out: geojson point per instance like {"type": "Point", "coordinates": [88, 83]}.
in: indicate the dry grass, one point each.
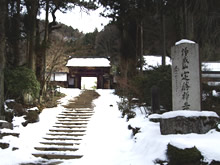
{"type": "Point", "coordinates": [84, 100]}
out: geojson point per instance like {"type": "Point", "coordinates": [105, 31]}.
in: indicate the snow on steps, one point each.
{"type": "Point", "coordinates": [63, 140]}
{"type": "Point", "coordinates": [57, 156]}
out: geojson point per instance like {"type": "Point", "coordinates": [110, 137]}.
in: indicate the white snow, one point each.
{"type": "Point", "coordinates": [154, 61]}
{"type": "Point", "coordinates": [184, 113]}
{"type": "Point", "coordinates": [33, 109]}
{"type": "Point", "coordinates": [108, 140]}
{"type": "Point", "coordinates": [183, 41]}
{"type": "Point", "coordinates": [210, 66]}
{"type": "Point", "coordinates": [3, 121]}
{"type": "Point", "coordinates": [88, 62]}
{"type": "Point", "coordinates": [58, 76]}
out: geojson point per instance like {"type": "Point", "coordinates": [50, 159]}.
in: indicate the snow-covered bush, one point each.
{"type": "Point", "coordinates": [21, 80]}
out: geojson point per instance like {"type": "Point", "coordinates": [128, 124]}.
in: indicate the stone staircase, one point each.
{"type": "Point", "coordinates": [63, 140]}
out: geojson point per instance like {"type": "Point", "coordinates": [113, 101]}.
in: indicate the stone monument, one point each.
{"type": "Point", "coordinates": [186, 94]}
{"type": "Point", "coordinates": [186, 75]}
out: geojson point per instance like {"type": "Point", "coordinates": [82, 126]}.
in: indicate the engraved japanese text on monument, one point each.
{"type": "Point", "coordinates": [186, 77]}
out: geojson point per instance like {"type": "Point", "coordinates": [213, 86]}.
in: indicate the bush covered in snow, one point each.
{"type": "Point", "coordinates": [19, 81]}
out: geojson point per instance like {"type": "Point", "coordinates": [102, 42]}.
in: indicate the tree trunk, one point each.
{"type": "Point", "coordinates": [17, 34]}
{"type": "Point", "coordinates": [44, 54]}
{"type": "Point", "coordinates": [2, 52]}
{"type": "Point", "coordinates": [139, 43]}
{"type": "Point", "coordinates": [164, 40]}
{"type": "Point", "coordinates": [32, 8]}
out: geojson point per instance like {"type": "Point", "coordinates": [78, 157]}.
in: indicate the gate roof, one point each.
{"type": "Point", "coordinates": [88, 62]}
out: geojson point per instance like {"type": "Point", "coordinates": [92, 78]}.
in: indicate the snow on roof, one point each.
{"type": "Point", "coordinates": [183, 41]}
{"type": "Point", "coordinates": [184, 113]}
{"type": "Point", "coordinates": [211, 66]}
{"type": "Point", "coordinates": [154, 61]}
{"type": "Point", "coordinates": [89, 62]}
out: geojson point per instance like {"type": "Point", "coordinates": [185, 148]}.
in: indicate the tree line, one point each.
{"type": "Point", "coordinates": [152, 27]}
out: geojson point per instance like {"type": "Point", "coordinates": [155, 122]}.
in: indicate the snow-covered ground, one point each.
{"type": "Point", "coordinates": [108, 140]}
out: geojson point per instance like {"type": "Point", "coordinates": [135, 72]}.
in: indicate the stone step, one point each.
{"type": "Point", "coordinates": [55, 149]}
{"type": "Point", "coordinates": [80, 109]}
{"type": "Point", "coordinates": [61, 138]}
{"type": "Point", "coordinates": [72, 120]}
{"type": "Point", "coordinates": [71, 123]}
{"type": "Point", "coordinates": [70, 117]}
{"type": "Point", "coordinates": [63, 134]}
{"type": "Point", "coordinates": [59, 143]}
{"type": "Point", "coordinates": [66, 130]}
{"type": "Point", "coordinates": [70, 126]}
{"type": "Point", "coordinates": [2, 134]}
{"type": "Point", "coordinates": [57, 156]}
{"type": "Point", "coordinates": [71, 112]}
{"type": "Point", "coordinates": [76, 114]}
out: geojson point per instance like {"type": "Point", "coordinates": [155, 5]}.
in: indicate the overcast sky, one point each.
{"type": "Point", "coordinates": [81, 20]}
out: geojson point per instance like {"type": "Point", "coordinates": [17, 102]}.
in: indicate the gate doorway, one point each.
{"type": "Point", "coordinates": [88, 69]}
{"type": "Point", "coordinates": [89, 83]}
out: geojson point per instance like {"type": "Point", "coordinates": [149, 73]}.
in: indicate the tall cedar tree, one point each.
{"type": "Point", "coordinates": [2, 52]}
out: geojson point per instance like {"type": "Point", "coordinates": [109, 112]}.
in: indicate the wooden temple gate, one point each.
{"type": "Point", "coordinates": [104, 79]}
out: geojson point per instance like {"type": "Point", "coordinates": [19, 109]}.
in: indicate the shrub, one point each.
{"type": "Point", "coordinates": [125, 107]}
{"type": "Point", "coordinates": [188, 156]}
{"type": "Point", "coordinates": [21, 80]}
{"type": "Point", "coordinates": [161, 77]}
{"type": "Point", "coordinates": [31, 117]}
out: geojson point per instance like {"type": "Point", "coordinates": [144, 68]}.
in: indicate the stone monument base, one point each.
{"type": "Point", "coordinates": [186, 122]}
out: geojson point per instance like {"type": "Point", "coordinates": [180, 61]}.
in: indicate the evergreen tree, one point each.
{"type": "Point", "coordinates": [2, 52]}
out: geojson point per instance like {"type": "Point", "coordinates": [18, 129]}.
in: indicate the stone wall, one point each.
{"type": "Point", "coordinates": [186, 122]}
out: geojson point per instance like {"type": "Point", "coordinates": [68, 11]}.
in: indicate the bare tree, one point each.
{"type": "Point", "coordinates": [108, 42]}
{"type": "Point", "coordinates": [56, 58]}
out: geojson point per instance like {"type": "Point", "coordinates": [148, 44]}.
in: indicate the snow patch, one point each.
{"type": "Point", "coordinates": [184, 41]}
{"type": "Point", "coordinates": [154, 61]}
{"type": "Point", "coordinates": [184, 113]}
{"type": "Point", "coordinates": [210, 66]}
{"type": "Point", "coordinates": [33, 109]}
